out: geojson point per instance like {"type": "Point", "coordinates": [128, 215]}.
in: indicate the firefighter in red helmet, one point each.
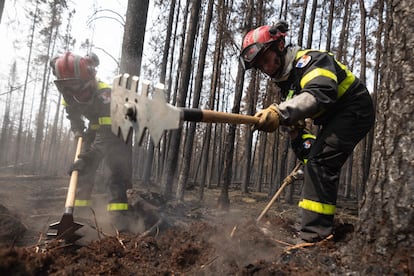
{"type": "Point", "coordinates": [86, 97]}
{"type": "Point", "coordinates": [314, 85]}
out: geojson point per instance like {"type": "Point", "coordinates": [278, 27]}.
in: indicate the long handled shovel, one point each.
{"type": "Point", "coordinates": [66, 227]}
{"type": "Point", "coordinates": [133, 110]}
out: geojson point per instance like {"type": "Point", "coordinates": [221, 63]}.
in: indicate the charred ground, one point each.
{"type": "Point", "coordinates": [186, 238]}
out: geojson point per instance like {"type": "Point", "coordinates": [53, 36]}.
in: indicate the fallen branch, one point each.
{"type": "Point", "coordinates": [149, 231]}
{"type": "Point", "coordinates": [233, 231]}
{"type": "Point", "coordinates": [308, 244]}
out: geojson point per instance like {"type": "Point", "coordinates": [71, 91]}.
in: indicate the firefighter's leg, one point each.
{"type": "Point", "coordinates": [83, 199]}
{"type": "Point", "coordinates": [334, 144]}
{"type": "Point", "coordinates": [119, 162]}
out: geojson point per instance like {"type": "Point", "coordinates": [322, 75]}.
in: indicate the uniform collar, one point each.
{"type": "Point", "coordinates": [289, 59]}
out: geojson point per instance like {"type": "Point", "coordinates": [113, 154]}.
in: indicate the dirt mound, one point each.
{"type": "Point", "coordinates": [192, 238]}
{"type": "Point", "coordinates": [11, 227]}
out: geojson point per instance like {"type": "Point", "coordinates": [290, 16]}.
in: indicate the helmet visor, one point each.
{"type": "Point", "coordinates": [249, 54]}
{"type": "Point", "coordinates": [71, 87]}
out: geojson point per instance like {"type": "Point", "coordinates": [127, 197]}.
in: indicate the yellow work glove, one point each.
{"type": "Point", "coordinates": [268, 119]}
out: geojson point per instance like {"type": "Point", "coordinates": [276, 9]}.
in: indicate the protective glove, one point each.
{"type": "Point", "coordinates": [78, 133]}
{"type": "Point", "coordinates": [268, 119]}
{"type": "Point", "coordinates": [80, 165]}
{"type": "Point", "coordinates": [89, 136]}
{"type": "Point", "coordinates": [302, 144]}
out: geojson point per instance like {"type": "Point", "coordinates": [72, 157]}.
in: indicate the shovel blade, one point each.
{"type": "Point", "coordinates": [135, 110]}
{"type": "Point", "coordinates": [65, 229]}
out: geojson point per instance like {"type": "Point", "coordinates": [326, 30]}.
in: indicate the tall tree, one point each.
{"type": "Point", "coordinates": [182, 182]}
{"type": "Point", "coordinates": [150, 151]}
{"type": "Point", "coordinates": [1, 8]}
{"type": "Point", "coordinates": [311, 24]}
{"type": "Point", "coordinates": [330, 23]}
{"type": "Point", "coordinates": [387, 212]}
{"type": "Point", "coordinates": [50, 33]}
{"type": "Point", "coordinates": [134, 34]}
{"type": "Point", "coordinates": [173, 152]}
{"type": "Point", "coordinates": [6, 130]}
{"type": "Point", "coordinates": [302, 22]}
{"type": "Point", "coordinates": [28, 66]}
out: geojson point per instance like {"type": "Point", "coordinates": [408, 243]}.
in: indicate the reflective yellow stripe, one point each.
{"type": "Point", "coordinates": [117, 207]}
{"type": "Point", "coordinates": [317, 72]}
{"type": "Point", "coordinates": [105, 121]}
{"type": "Point", "coordinates": [308, 135]}
{"type": "Point", "coordinates": [299, 54]}
{"type": "Point", "coordinates": [305, 161]}
{"type": "Point", "coordinates": [64, 103]}
{"type": "Point", "coordinates": [317, 207]}
{"type": "Point", "coordinates": [94, 126]}
{"type": "Point", "coordinates": [347, 82]}
{"type": "Point", "coordinates": [103, 85]}
{"type": "Point", "coordinates": [83, 202]}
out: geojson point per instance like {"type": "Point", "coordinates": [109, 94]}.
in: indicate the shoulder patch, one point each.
{"type": "Point", "coordinates": [303, 61]}
{"type": "Point", "coordinates": [105, 95]}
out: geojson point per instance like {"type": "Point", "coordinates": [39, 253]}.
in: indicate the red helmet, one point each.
{"type": "Point", "coordinates": [260, 39]}
{"type": "Point", "coordinates": [73, 73]}
{"type": "Point", "coordinates": [70, 66]}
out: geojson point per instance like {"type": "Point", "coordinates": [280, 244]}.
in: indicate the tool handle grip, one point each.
{"type": "Point", "coordinates": [211, 116]}
{"type": "Point", "coordinates": [70, 197]}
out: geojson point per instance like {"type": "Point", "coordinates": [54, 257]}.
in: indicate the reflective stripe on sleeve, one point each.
{"type": "Point", "coordinates": [308, 135]}
{"type": "Point", "coordinates": [347, 82]}
{"type": "Point", "coordinates": [317, 72]}
{"type": "Point", "coordinates": [117, 207]}
{"type": "Point", "coordinates": [105, 121]}
{"type": "Point", "coordinates": [83, 202]}
{"type": "Point", "coordinates": [317, 207]}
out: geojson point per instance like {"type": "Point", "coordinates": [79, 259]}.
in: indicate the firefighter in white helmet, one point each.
{"type": "Point", "coordinates": [316, 86]}
{"type": "Point", "coordinates": [86, 97]}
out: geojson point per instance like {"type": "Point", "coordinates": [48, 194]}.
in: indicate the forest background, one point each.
{"type": "Point", "coordinates": [193, 47]}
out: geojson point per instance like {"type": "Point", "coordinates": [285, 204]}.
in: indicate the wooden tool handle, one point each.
{"type": "Point", "coordinates": [211, 116]}
{"type": "Point", "coordinates": [70, 198]}
{"type": "Point", "coordinates": [288, 180]}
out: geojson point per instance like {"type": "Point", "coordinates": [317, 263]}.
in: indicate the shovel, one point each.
{"type": "Point", "coordinates": [66, 227]}
{"type": "Point", "coordinates": [133, 110]}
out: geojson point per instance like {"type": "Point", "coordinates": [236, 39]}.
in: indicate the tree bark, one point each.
{"type": "Point", "coordinates": [173, 152]}
{"type": "Point", "coordinates": [182, 182]}
{"type": "Point", "coordinates": [387, 212]}
{"type": "Point", "coordinates": [311, 24]}
{"type": "Point", "coordinates": [1, 8]}
{"type": "Point", "coordinates": [134, 34]}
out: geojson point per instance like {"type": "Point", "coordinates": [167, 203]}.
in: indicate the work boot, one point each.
{"type": "Point", "coordinates": [120, 221]}
{"type": "Point", "coordinates": [83, 214]}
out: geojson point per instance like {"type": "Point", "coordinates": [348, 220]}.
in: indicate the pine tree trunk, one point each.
{"type": "Point", "coordinates": [134, 34]}
{"type": "Point", "coordinates": [387, 213]}
{"type": "Point", "coordinates": [173, 151]}
{"type": "Point", "coordinates": [183, 179]}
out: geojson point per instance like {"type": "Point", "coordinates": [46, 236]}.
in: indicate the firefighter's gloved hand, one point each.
{"type": "Point", "coordinates": [80, 165]}
{"type": "Point", "coordinates": [302, 144]}
{"type": "Point", "coordinates": [78, 133]}
{"type": "Point", "coordinates": [268, 119]}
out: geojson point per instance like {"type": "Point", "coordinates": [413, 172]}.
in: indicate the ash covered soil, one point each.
{"type": "Point", "coordinates": [174, 238]}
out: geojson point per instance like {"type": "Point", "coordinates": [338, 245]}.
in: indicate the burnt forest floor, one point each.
{"type": "Point", "coordinates": [174, 238]}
